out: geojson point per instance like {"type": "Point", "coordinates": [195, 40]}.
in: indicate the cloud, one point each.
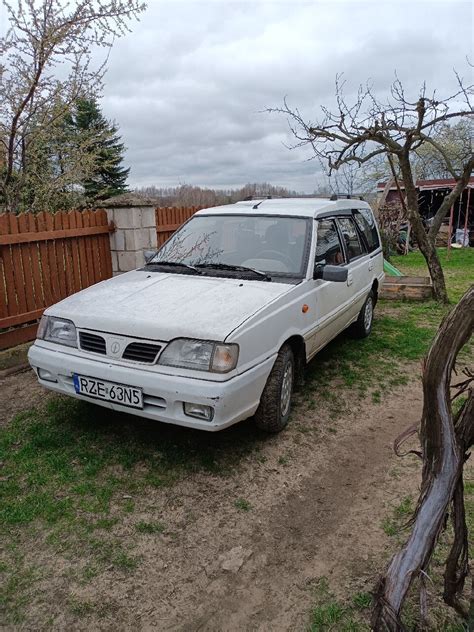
{"type": "Point", "coordinates": [189, 85]}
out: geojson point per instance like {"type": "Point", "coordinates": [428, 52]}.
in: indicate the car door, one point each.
{"type": "Point", "coordinates": [329, 299]}
{"type": "Point", "coordinates": [358, 260]}
{"type": "Point", "coordinates": [367, 226]}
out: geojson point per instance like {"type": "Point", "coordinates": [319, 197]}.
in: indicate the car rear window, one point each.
{"type": "Point", "coordinates": [366, 223]}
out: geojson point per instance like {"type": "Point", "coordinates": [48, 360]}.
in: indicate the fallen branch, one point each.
{"type": "Point", "coordinates": [443, 450]}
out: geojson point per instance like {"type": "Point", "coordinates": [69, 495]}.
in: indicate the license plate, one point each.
{"type": "Point", "coordinates": [108, 391]}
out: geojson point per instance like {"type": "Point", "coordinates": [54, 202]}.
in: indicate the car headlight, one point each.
{"type": "Point", "coordinates": [200, 355]}
{"type": "Point", "coordinates": [58, 330]}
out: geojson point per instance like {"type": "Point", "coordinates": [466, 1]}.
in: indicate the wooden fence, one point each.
{"type": "Point", "coordinates": [43, 259]}
{"type": "Point", "coordinates": [170, 218]}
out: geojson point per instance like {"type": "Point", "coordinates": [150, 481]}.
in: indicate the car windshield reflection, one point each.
{"type": "Point", "coordinates": [274, 245]}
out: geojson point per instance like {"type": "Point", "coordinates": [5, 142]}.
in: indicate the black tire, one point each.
{"type": "Point", "coordinates": [363, 326]}
{"type": "Point", "coordinates": [273, 414]}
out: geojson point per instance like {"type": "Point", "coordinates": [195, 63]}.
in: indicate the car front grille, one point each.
{"type": "Point", "coordinates": [141, 352]}
{"type": "Point", "coordinates": [92, 342]}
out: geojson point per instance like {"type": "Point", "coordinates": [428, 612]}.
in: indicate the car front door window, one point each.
{"type": "Point", "coordinates": [328, 245]}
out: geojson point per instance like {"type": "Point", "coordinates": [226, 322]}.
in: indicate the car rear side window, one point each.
{"type": "Point", "coordinates": [328, 245]}
{"type": "Point", "coordinates": [366, 223]}
{"type": "Point", "coordinates": [352, 241]}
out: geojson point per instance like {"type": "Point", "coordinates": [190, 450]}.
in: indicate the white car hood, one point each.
{"type": "Point", "coordinates": [164, 306]}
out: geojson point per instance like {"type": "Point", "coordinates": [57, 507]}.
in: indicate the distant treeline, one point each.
{"type": "Point", "coordinates": [187, 195]}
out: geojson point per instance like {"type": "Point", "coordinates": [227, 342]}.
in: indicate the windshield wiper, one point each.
{"type": "Point", "coordinates": [174, 264]}
{"type": "Point", "coordinates": [230, 266]}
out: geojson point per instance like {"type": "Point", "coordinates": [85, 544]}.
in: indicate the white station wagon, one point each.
{"type": "Point", "coordinates": [220, 322]}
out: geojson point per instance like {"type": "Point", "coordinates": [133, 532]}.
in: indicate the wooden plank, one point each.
{"type": "Point", "coordinates": [26, 264]}
{"type": "Point", "coordinates": [19, 281]}
{"type": "Point", "coordinates": [108, 271]}
{"type": "Point", "coordinates": [102, 242]}
{"type": "Point", "coordinates": [94, 244]}
{"type": "Point", "coordinates": [406, 291]}
{"type": "Point", "coordinates": [169, 220]}
{"type": "Point", "coordinates": [20, 238]}
{"type": "Point", "coordinates": [17, 336]}
{"type": "Point", "coordinates": [60, 255]}
{"type": "Point", "coordinates": [20, 319]}
{"type": "Point", "coordinates": [167, 228]}
{"type": "Point", "coordinates": [5, 251]}
{"type": "Point", "coordinates": [106, 240]}
{"type": "Point", "coordinates": [410, 280]}
{"type": "Point", "coordinates": [89, 249]}
{"type": "Point", "coordinates": [75, 260]}
{"type": "Point", "coordinates": [3, 290]}
{"type": "Point", "coordinates": [104, 248]}
{"type": "Point", "coordinates": [36, 264]}
{"type": "Point", "coordinates": [53, 263]}
{"type": "Point", "coordinates": [67, 248]}
{"type": "Point", "coordinates": [3, 287]}
{"type": "Point", "coordinates": [44, 261]}
{"type": "Point", "coordinates": [83, 264]}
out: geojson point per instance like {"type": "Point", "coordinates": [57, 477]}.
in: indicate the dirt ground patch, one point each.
{"type": "Point", "coordinates": [244, 551]}
{"type": "Point", "coordinates": [19, 392]}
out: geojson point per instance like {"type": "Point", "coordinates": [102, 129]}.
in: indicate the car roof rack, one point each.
{"type": "Point", "coordinates": [250, 198]}
{"type": "Point", "coordinates": [345, 196]}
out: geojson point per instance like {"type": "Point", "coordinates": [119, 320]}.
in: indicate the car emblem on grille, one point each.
{"type": "Point", "coordinates": [115, 348]}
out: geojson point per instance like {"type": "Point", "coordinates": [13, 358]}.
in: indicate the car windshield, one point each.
{"type": "Point", "coordinates": [276, 245]}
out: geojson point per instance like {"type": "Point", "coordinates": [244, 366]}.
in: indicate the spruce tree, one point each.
{"type": "Point", "coordinates": [99, 137]}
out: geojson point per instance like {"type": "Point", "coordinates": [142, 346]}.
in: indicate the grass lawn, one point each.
{"type": "Point", "coordinates": [70, 472]}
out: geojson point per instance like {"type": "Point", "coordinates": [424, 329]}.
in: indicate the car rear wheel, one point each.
{"type": "Point", "coordinates": [363, 325]}
{"type": "Point", "coordinates": [275, 404]}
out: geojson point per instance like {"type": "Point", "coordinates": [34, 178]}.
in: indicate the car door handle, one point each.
{"type": "Point", "coordinates": [371, 265]}
{"type": "Point", "coordinates": [349, 278]}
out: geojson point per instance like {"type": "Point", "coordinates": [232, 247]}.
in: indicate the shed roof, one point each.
{"type": "Point", "coordinates": [423, 185]}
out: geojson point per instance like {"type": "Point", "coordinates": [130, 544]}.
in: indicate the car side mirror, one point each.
{"type": "Point", "coordinates": [336, 274]}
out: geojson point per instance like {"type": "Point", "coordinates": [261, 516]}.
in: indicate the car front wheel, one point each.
{"type": "Point", "coordinates": [363, 325]}
{"type": "Point", "coordinates": [274, 410]}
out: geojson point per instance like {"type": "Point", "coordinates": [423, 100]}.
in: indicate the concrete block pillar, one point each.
{"type": "Point", "coordinates": [135, 231]}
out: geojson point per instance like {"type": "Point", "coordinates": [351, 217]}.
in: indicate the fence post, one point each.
{"type": "Point", "coordinates": [135, 231]}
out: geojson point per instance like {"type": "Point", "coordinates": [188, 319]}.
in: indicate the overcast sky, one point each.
{"type": "Point", "coordinates": [187, 87]}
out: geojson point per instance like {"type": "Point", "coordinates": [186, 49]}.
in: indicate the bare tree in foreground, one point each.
{"type": "Point", "coordinates": [48, 65]}
{"type": "Point", "coordinates": [358, 132]}
{"type": "Point", "coordinates": [445, 440]}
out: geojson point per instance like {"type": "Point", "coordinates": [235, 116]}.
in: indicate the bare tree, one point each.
{"type": "Point", "coordinates": [346, 180]}
{"type": "Point", "coordinates": [48, 65]}
{"type": "Point", "coordinates": [396, 128]}
{"type": "Point", "coordinates": [445, 439]}
{"type": "Point", "coordinates": [189, 195]}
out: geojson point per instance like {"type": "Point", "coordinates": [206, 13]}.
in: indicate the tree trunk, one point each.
{"type": "Point", "coordinates": [443, 459]}
{"type": "Point", "coordinates": [428, 250]}
{"type": "Point", "coordinates": [426, 245]}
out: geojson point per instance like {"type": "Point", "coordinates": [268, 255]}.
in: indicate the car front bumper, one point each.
{"type": "Point", "coordinates": [163, 395]}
